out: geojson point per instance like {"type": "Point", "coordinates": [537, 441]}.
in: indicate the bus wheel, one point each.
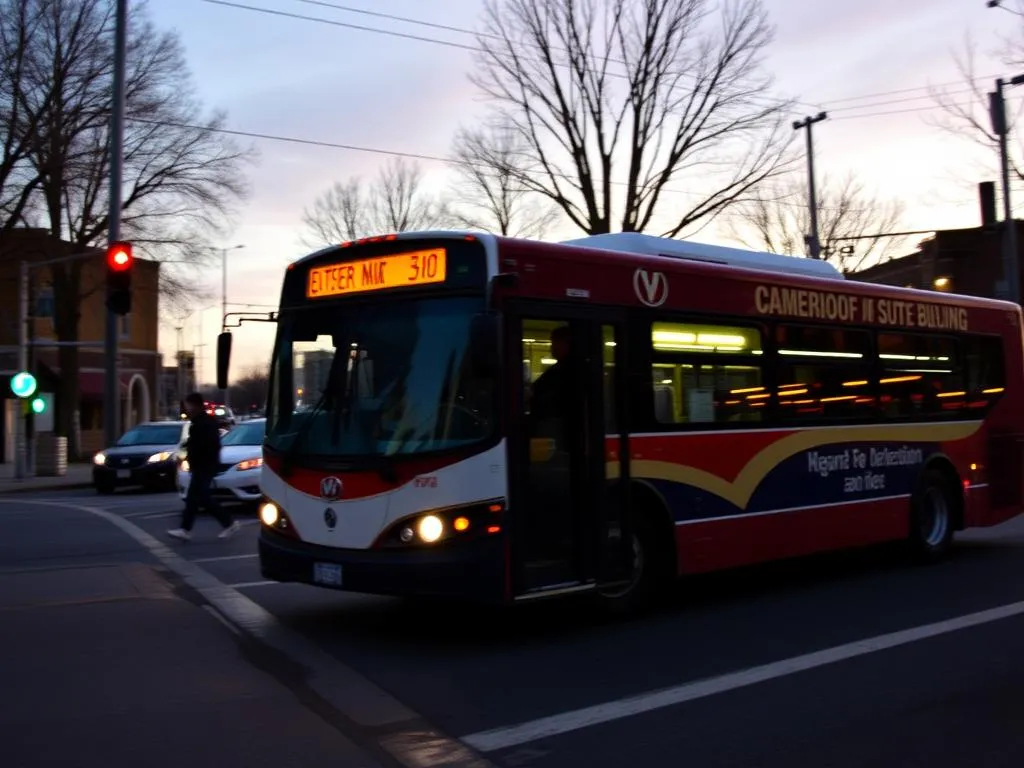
{"type": "Point", "coordinates": [932, 510]}
{"type": "Point", "coordinates": [647, 579]}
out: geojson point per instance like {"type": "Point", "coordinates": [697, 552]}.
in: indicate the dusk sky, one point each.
{"type": "Point", "coordinates": [869, 64]}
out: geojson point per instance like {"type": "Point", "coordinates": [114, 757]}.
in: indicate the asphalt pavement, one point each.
{"type": "Point", "coordinates": [855, 659]}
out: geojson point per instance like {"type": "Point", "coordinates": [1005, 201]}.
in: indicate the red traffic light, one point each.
{"type": "Point", "coordinates": [119, 257]}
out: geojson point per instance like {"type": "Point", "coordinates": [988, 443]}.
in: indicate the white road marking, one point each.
{"type": "Point", "coordinates": [221, 558]}
{"type": "Point", "coordinates": [566, 722]}
{"type": "Point", "coordinates": [155, 515]}
{"type": "Point", "coordinates": [245, 584]}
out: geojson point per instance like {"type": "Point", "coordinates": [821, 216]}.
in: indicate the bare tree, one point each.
{"type": "Point", "coordinates": [250, 390]}
{"type": "Point", "coordinates": [489, 194]}
{"type": "Point", "coordinates": [777, 220]}
{"type": "Point", "coordinates": [20, 108]}
{"type": "Point", "coordinates": [617, 99]}
{"type": "Point", "coordinates": [182, 177]}
{"type": "Point", "coordinates": [964, 108]}
{"type": "Point", "coordinates": [394, 202]}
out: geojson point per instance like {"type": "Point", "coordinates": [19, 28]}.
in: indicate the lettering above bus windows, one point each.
{"type": "Point", "coordinates": [845, 308]}
{"type": "Point", "coordinates": [401, 270]}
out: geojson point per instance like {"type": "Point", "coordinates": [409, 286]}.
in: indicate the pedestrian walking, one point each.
{"type": "Point", "coordinates": [202, 449]}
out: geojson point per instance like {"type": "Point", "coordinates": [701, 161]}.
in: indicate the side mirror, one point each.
{"type": "Point", "coordinates": [223, 359]}
{"type": "Point", "coordinates": [485, 344]}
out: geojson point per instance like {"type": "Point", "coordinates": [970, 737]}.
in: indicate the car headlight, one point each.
{"type": "Point", "coordinates": [162, 456]}
{"type": "Point", "coordinates": [242, 466]}
{"type": "Point", "coordinates": [184, 465]}
{"type": "Point", "coordinates": [99, 459]}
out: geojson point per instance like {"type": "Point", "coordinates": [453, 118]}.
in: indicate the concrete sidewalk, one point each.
{"type": "Point", "coordinates": [79, 475]}
{"type": "Point", "coordinates": [108, 666]}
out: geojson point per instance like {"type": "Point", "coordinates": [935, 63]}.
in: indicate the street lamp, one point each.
{"type": "Point", "coordinates": [997, 114]}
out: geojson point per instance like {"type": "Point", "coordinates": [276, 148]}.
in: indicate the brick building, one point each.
{"type": "Point", "coordinates": [966, 261]}
{"type": "Point", "coordinates": [139, 362]}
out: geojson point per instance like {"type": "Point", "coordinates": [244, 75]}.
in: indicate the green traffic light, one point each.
{"type": "Point", "coordinates": [38, 405]}
{"type": "Point", "coordinates": [23, 384]}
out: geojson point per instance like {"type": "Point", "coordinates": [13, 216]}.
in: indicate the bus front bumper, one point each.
{"type": "Point", "coordinates": [472, 570]}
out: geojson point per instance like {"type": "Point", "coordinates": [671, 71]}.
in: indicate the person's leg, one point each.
{"type": "Point", "coordinates": [219, 513]}
{"type": "Point", "coordinates": [193, 499]}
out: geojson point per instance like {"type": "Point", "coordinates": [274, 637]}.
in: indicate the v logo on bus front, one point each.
{"type": "Point", "coordinates": [650, 287]}
{"type": "Point", "coordinates": [330, 488]}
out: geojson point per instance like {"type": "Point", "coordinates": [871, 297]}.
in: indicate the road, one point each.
{"type": "Point", "coordinates": [752, 668]}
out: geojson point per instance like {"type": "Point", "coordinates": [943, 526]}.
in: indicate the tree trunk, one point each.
{"type": "Point", "coordinates": [67, 293]}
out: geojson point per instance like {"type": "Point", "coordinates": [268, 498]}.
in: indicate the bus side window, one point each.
{"type": "Point", "coordinates": [824, 373]}
{"type": "Point", "coordinates": [706, 374]}
{"type": "Point", "coordinates": [985, 368]}
{"type": "Point", "coordinates": [920, 374]}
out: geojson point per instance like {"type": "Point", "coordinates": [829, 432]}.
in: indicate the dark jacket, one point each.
{"type": "Point", "coordinates": [203, 445]}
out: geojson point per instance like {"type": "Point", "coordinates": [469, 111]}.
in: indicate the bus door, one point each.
{"type": "Point", "coordinates": [567, 386]}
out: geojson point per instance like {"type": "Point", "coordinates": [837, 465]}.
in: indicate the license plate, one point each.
{"type": "Point", "coordinates": [327, 573]}
{"type": "Point", "coordinates": [124, 474]}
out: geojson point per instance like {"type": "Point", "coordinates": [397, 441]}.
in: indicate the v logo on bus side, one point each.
{"type": "Point", "coordinates": [650, 287]}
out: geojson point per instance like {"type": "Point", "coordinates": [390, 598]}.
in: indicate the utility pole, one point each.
{"type": "Point", "coordinates": [1011, 259]}
{"type": "Point", "coordinates": [111, 393]}
{"type": "Point", "coordinates": [813, 243]}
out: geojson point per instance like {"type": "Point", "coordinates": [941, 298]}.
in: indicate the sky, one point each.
{"type": "Point", "coordinates": [869, 64]}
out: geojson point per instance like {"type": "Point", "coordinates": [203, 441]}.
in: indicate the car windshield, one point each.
{"type": "Point", "coordinates": [247, 433]}
{"type": "Point", "coordinates": [156, 434]}
{"type": "Point", "coordinates": [377, 379]}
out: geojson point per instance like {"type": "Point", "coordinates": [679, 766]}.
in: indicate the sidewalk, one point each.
{"type": "Point", "coordinates": [108, 667]}
{"type": "Point", "coordinates": [79, 475]}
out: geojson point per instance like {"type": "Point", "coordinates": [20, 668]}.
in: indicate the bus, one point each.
{"type": "Point", "coordinates": [460, 415]}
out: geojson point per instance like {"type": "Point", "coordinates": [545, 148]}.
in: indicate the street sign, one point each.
{"type": "Point", "coordinates": [23, 384]}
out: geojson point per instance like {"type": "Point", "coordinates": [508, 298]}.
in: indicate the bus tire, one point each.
{"type": "Point", "coordinates": [932, 516]}
{"type": "Point", "coordinates": [650, 575]}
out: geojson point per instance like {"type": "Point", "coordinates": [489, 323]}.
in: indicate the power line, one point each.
{"type": "Point", "coordinates": [418, 38]}
{"type": "Point", "coordinates": [375, 151]}
{"type": "Point", "coordinates": [475, 33]}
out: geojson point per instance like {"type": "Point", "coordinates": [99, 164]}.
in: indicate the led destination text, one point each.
{"type": "Point", "coordinates": [846, 308]}
{"type": "Point", "coordinates": [397, 271]}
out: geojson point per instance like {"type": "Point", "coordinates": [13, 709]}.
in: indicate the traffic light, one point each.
{"type": "Point", "coordinates": [38, 405]}
{"type": "Point", "coordinates": [120, 263]}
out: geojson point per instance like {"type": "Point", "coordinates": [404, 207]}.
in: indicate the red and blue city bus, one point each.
{"type": "Point", "coordinates": [471, 416]}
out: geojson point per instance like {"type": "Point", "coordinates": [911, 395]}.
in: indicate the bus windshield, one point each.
{"type": "Point", "coordinates": [380, 378]}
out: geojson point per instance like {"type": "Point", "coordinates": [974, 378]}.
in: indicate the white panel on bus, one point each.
{"type": "Point", "coordinates": [650, 245]}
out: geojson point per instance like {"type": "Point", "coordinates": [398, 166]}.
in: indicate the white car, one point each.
{"type": "Point", "coordinates": [241, 459]}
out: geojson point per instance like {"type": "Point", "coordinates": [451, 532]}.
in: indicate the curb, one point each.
{"type": "Point", "coordinates": [398, 730]}
{"type": "Point", "coordinates": [70, 486]}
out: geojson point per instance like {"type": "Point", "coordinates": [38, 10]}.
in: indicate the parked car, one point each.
{"type": "Point", "coordinates": [146, 455]}
{"type": "Point", "coordinates": [241, 459]}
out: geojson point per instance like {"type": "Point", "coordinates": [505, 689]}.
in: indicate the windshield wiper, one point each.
{"type": "Point", "coordinates": [292, 451]}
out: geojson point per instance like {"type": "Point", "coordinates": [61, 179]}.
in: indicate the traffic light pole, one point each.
{"type": "Point", "coordinates": [111, 396]}
{"type": "Point", "coordinates": [20, 425]}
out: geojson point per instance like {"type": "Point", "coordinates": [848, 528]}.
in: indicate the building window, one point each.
{"type": "Point", "coordinates": [44, 302]}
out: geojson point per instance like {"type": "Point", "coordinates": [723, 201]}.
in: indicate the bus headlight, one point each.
{"type": "Point", "coordinates": [431, 528]}
{"type": "Point", "coordinates": [269, 514]}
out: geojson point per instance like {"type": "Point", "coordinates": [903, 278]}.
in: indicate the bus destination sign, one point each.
{"type": "Point", "coordinates": [401, 270]}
